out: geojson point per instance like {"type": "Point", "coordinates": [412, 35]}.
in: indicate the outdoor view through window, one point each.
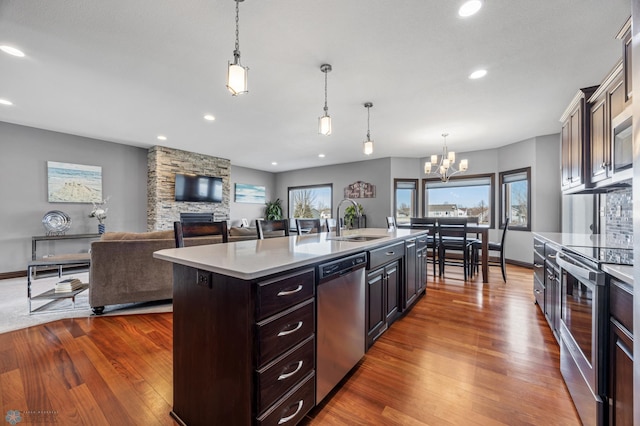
{"type": "Point", "coordinates": [460, 198]}
{"type": "Point", "coordinates": [310, 201]}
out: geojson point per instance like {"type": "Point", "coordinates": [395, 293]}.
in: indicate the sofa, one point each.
{"type": "Point", "coordinates": [123, 269]}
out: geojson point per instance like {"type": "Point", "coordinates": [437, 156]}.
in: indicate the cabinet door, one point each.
{"type": "Point", "coordinates": [392, 278]}
{"type": "Point", "coordinates": [411, 273]}
{"type": "Point", "coordinates": [575, 148]}
{"type": "Point", "coordinates": [376, 323]}
{"type": "Point", "coordinates": [620, 392]}
{"type": "Point", "coordinates": [566, 154]}
{"type": "Point", "coordinates": [600, 140]}
{"type": "Point", "coordinates": [421, 274]}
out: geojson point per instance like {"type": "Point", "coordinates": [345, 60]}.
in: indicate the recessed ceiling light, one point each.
{"type": "Point", "coordinates": [273, 163]}
{"type": "Point", "coordinates": [209, 117]}
{"type": "Point", "coordinates": [321, 155]}
{"type": "Point", "coordinates": [477, 74]}
{"type": "Point", "coordinates": [469, 8]}
{"type": "Point", "coordinates": [162, 138]}
{"type": "Point", "coordinates": [12, 51]}
{"type": "Point", "coordinates": [5, 102]}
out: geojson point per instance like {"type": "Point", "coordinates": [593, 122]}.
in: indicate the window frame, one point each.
{"type": "Point", "coordinates": [492, 192]}
{"type": "Point", "coordinates": [502, 198]}
{"type": "Point", "coordinates": [416, 209]}
{"type": "Point", "coordinates": [321, 185]}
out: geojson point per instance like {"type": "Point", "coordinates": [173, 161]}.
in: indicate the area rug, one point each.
{"type": "Point", "coordinates": [14, 306]}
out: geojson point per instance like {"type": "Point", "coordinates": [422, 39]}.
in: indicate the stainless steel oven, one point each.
{"type": "Point", "coordinates": [582, 334]}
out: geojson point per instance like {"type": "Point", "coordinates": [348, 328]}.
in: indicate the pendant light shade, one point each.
{"type": "Point", "coordinates": [324, 122]}
{"type": "Point", "coordinates": [236, 73]}
{"type": "Point", "coordinates": [367, 146]}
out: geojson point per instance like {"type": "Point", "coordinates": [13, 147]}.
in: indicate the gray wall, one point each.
{"type": "Point", "coordinates": [377, 172]}
{"type": "Point", "coordinates": [23, 190]}
{"type": "Point", "coordinates": [255, 177]}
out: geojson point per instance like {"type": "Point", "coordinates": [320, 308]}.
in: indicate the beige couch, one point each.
{"type": "Point", "coordinates": [123, 269]}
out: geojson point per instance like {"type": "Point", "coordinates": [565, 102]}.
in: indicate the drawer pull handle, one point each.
{"type": "Point", "coordinates": [551, 256]}
{"type": "Point", "coordinates": [537, 265]}
{"type": "Point", "coordinates": [293, 330]}
{"type": "Point", "coordinates": [538, 245]}
{"type": "Point", "coordinates": [290, 292]}
{"type": "Point", "coordinates": [286, 419]}
{"type": "Point", "coordinates": [287, 375]}
{"type": "Point", "coordinates": [390, 253]}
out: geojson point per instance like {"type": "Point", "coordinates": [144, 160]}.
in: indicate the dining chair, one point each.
{"type": "Point", "coordinates": [495, 247]}
{"type": "Point", "coordinates": [391, 222]}
{"type": "Point", "coordinates": [330, 224]}
{"type": "Point", "coordinates": [194, 230]}
{"type": "Point", "coordinates": [308, 226]}
{"type": "Point", "coordinates": [429, 223]}
{"type": "Point", "coordinates": [452, 237]}
{"type": "Point", "coordinates": [272, 228]}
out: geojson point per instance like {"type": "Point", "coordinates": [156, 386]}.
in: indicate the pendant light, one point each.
{"type": "Point", "coordinates": [324, 122]}
{"type": "Point", "coordinates": [236, 73]}
{"type": "Point", "coordinates": [367, 146]}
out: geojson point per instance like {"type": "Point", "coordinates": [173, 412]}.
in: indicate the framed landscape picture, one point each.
{"type": "Point", "coordinates": [246, 193]}
{"type": "Point", "coordinates": [73, 183]}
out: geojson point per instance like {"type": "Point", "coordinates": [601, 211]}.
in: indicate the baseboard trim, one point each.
{"type": "Point", "coordinates": [15, 274]}
{"type": "Point", "coordinates": [519, 263]}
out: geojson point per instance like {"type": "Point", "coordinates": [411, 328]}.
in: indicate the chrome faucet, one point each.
{"type": "Point", "coordinates": [338, 228]}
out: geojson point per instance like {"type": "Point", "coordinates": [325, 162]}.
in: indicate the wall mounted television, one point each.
{"type": "Point", "coordinates": [198, 188]}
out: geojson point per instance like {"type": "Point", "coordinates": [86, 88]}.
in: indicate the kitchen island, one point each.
{"type": "Point", "coordinates": [245, 318]}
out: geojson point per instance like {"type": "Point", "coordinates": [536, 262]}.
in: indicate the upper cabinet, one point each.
{"type": "Point", "coordinates": [596, 130]}
{"type": "Point", "coordinates": [575, 141]}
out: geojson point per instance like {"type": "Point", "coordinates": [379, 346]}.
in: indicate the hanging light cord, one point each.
{"type": "Point", "coordinates": [326, 108]}
{"type": "Point", "coordinates": [368, 134]}
{"type": "Point", "coordinates": [236, 52]}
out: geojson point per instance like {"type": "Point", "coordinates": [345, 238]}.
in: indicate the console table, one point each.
{"type": "Point", "coordinates": [60, 264]}
{"type": "Point", "coordinates": [34, 240]}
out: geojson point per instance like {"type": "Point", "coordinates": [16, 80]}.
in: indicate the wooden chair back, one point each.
{"type": "Point", "coordinates": [264, 226]}
{"type": "Point", "coordinates": [308, 226]}
{"type": "Point", "coordinates": [184, 230]}
{"type": "Point", "coordinates": [330, 224]}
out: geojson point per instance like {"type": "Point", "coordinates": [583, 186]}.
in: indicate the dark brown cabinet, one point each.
{"type": "Point", "coordinates": [244, 351]}
{"type": "Point", "coordinates": [383, 295]}
{"type": "Point", "coordinates": [415, 270]}
{"type": "Point", "coordinates": [546, 283]}
{"type": "Point", "coordinates": [620, 384]}
{"type": "Point", "coordinates": [575, 141]}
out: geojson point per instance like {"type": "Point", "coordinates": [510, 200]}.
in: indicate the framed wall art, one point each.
{"type": "Point", "coordinates": [246, 193]}
{"type": "Point", "coordinates": [73, 183]}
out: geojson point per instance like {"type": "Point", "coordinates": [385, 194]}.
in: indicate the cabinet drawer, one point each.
{"type": "Point", "coordinates": [277, 378]}
{"type": "Point", "coordinates": [291, 409]}
{"type": "Point", "coordinates": [621, 303]}
{"type": "Point", "coordinates": [550, 253]}
{"type": "Point", "coordinates": [280, 293]}
{"type": "Point", "coordinates": [538, 292]}
{"type": "Point", "coordinates": [277, 334]}
{"type": "Point", "coordinates": [538, 266]}
{"type": "Point", "coordinates": [538, 246]}
{"type": "Point", "coordinates": [383, 255]}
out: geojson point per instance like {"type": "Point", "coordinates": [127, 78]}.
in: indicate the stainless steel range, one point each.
{"type": "Point", "coordinates": [583, 325]}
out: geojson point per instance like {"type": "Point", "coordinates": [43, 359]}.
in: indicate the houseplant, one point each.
{"type": "Point", "coordinates": [350, 215]}
{"type": "Point", "coordinates": [273, 210]}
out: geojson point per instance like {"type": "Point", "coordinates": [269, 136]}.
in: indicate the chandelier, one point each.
{"type": "Point", "coordinates": [324, 122]}
{"type": "Point", "coordinates": [445, 166]}
{"type": "Point", "coordinates": [367, 146]}
{"type": "Point", "coordinates": [236, 73]}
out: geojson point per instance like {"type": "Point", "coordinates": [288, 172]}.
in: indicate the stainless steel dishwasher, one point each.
{"type": "Point", "coordinates": [340, 322]}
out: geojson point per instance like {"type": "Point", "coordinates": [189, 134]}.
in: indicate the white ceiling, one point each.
{"type": "Point", "coordinates": [128, 70]}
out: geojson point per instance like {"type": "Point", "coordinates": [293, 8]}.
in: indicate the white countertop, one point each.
{"type": "Point", "coordinates": [258, 258]}
{"type": "Point", "coordinates": [622, 272]}
{"type": "Point", "coordinates": [582, 240]}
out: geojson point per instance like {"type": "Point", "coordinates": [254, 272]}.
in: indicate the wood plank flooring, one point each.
{"type": "Point", "coordinates": [468, 353]}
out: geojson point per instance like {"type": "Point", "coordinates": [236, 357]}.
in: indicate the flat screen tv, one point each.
{"type": "Point", "coordinates": [207, 189]}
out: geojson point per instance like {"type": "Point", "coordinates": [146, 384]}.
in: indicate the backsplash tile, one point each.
{"type": "Point", "coordinates": [618, 216]}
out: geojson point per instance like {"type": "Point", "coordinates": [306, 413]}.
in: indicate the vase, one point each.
{"type": "Point", "coordinates": [101, 228]}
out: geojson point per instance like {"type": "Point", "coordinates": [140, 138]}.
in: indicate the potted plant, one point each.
{"type": "Point", "coordinates": [351, 216]}
{"type": "Point", "coordinates": [273, 210]}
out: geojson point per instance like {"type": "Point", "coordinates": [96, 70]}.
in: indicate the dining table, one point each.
{"type": "Point", "coordinates": [483, 231]}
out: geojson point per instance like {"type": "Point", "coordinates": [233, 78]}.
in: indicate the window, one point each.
{"type": "Point", "coordinates": [310, 201]}
{"type": "Point", "coordinates": [469, 196]}
{"type": "Point", "coordinates": [405, 201]}
{"type": "Point", "coordinates": [515, 198]}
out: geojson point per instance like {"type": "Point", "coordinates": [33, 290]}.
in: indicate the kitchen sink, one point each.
{"type": "Point", "coordinates": [357, 238]}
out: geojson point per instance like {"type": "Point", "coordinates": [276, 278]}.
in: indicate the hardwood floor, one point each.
{"type": "Point", "coordinates": [467, 353]}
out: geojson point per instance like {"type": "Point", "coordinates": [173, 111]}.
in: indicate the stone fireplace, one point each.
{"type": "Point", "coordinates": [163, 164]}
